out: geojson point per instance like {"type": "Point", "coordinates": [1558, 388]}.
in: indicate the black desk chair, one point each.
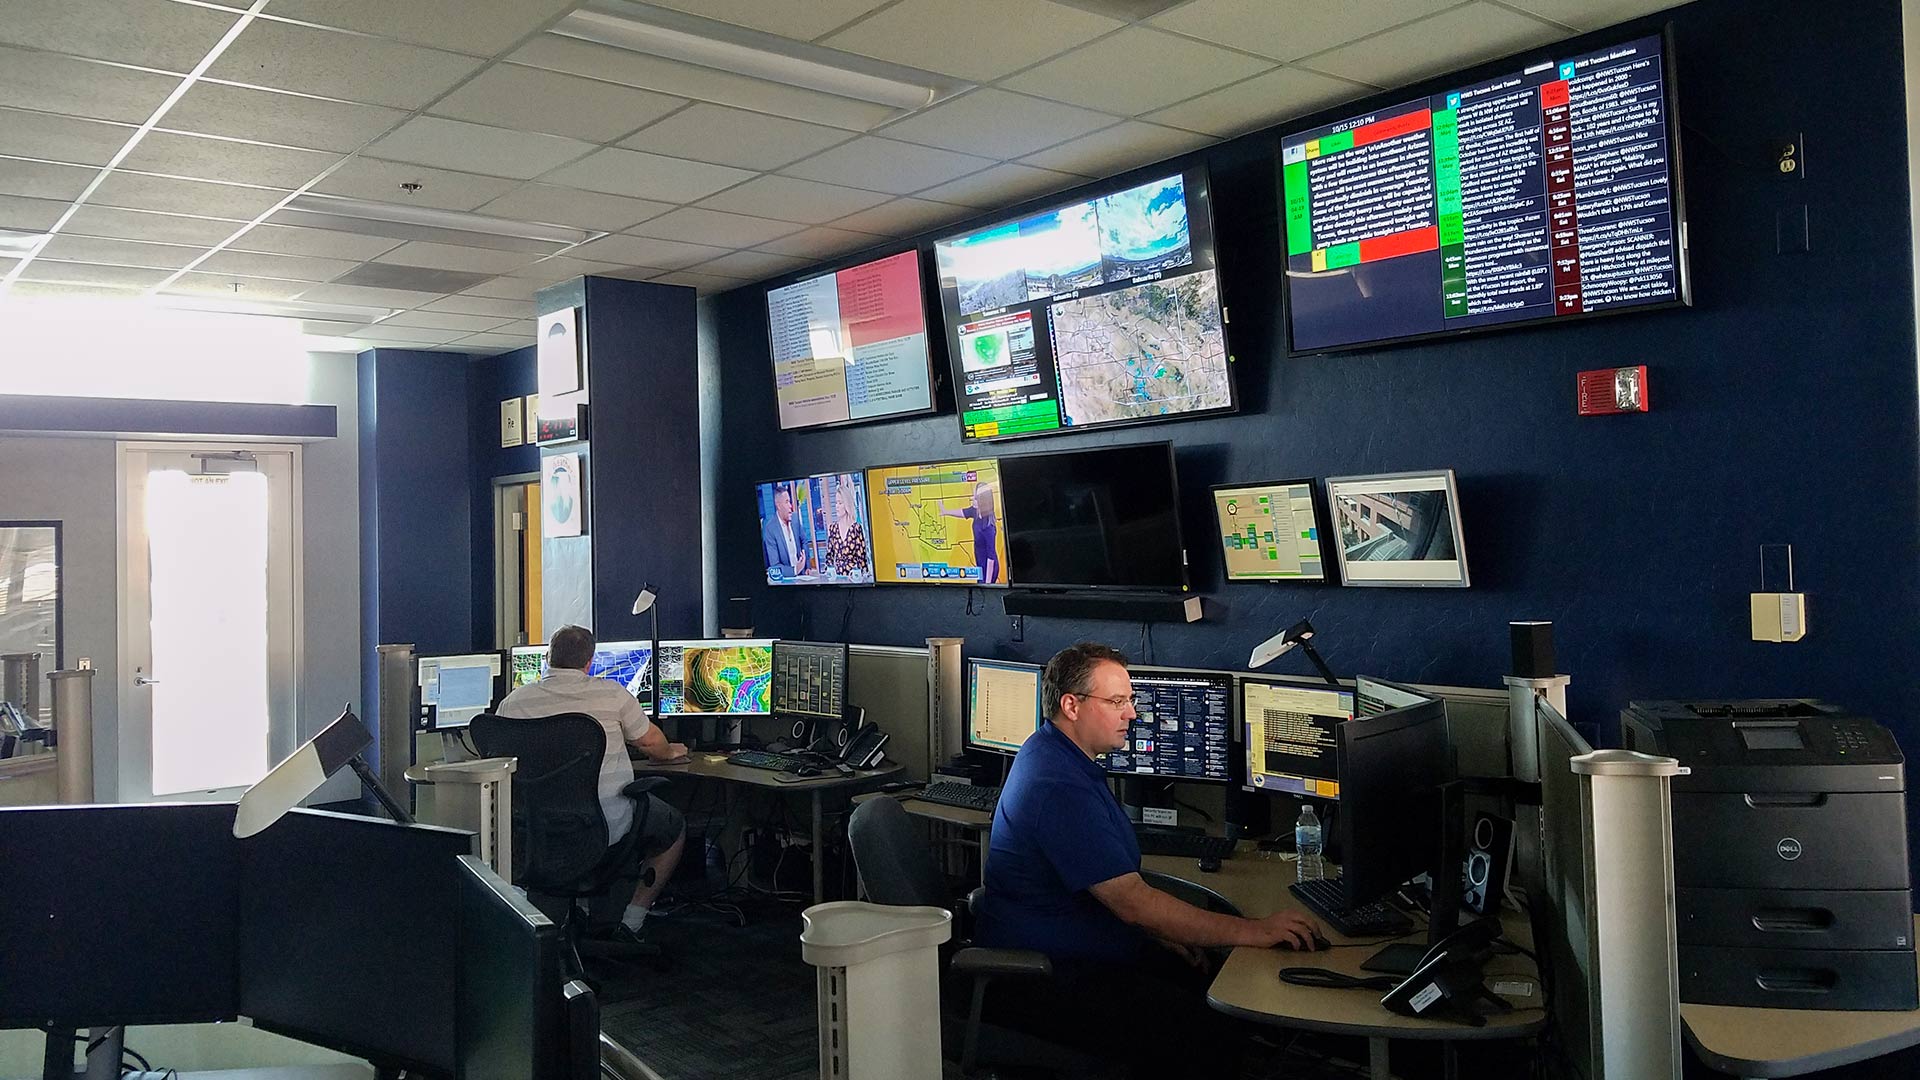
{"type": "Point", "coordinates": [896, 869]}
{"type": "Point", "coordinates": [560, 846]}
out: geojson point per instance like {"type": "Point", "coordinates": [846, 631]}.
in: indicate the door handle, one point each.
{"type": "Point", "coordinates": [142, 680]}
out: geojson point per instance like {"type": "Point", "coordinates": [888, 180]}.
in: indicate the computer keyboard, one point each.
{"type": "Point", "coordinates": [762, 759]}
{"type": "Point", "coordinates": [965, 796]}
{"type": "Point", "coordinates": [1183, 845]}
{"type": "Point", "coordinates": [1329, 901]}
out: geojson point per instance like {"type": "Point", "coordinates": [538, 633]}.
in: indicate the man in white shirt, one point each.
{"type": "Point", "coordinates": [567, 688]}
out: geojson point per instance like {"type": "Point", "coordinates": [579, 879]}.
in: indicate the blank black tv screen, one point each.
{"type": "Point", "coordinates": [1542, 194]}
{"type": "Point", "coordinates": [1106, 517]}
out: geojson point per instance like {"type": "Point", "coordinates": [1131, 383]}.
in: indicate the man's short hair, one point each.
{"type": "Point", "coordinates": [783, 488]}
{"type": "Point", "coordinates": [1071, 672]}
{"type": "Point", "coordinates": [570, 647]}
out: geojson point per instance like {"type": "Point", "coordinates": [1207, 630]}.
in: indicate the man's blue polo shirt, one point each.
{"type": "Point", "coordinates": [1057, 831]}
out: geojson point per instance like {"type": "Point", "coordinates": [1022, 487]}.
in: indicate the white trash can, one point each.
{"type": "Point", "coordinates": [879, 988]}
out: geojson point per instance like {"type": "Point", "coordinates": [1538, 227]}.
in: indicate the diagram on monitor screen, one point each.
{"type": "Point", "coordinates": [716, 679]}
{"type": "Point", "coordinates": [1151, 350]}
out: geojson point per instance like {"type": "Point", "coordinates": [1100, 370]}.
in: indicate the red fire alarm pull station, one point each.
{"type": "Point", "coordinates": [1613, 390]}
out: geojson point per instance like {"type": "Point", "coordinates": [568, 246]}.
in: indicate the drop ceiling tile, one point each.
{"type": "Point", "coordinates": [480, 27]}
{"type": "Point", "coordinates": [887, 165]}
{"type": "Point", "coordinates": [120, 277]}
{"type": "Point", "coordinates": [483, 305]}
{"type": "Point", "coordinates": [802, 20]}
{"type": "Point", "coordinates": [111, 221]}
{"type": "Point", "coordinates": [288, 267]}
{"type": "Point", "coordinates": [1135, 71]}
{"type": "Point", "coordinates": [1002, 185]}
{"type": "Point", "coordinates": [90, 249]}
{"type": "Point", "coordinates": [939, 35]}
{"type": "Point", "coordinates": [712, 227]}
{"type": "Point", "coordinates": [241, 112]}
{"type": "Point", "coordinates": [820, 242]}
{"type": "Point", "coordinates": [137, 191]}
{"type": "Point", "coordinates": [1593, 14]}
{"type": "Point", "coordinates": [1117, 149]}
{"type": "Point", "coordinates": [1290, 29]}
{"type": "Point", "coordinates": [431, 281]}
{"type": "Point", "coordinates": [552, 205]}
{"type": "Point", "coordinates": [42, 180]}
{"type": "Point", "coordinates": [371, 178]}
{"type": "Point", "coordinates": [386, 331]}
{"type": "Point", "coordinates": [350, 67]}
{"type": "Point", "coordinates": [209, 158]}
{"type": "Point", "coordinates": [197, 283]}
{"type": "Point", "coordinates": [788, 199]}
{"type": "Point", "coordinates": [475, 148]}
{"type": "Point", "coordinates": [1261, 101]}
{"type": "Point", "coordinates": [628, 251]}
{"type": "Point", "coordinates": [64, 291]}
{"type": "Point", "coordinates": [746, 140]}
{"type": "Point", "coordinates": [504, 288]}
{"type": "Point", "coordinates": [996, 124]}
{"type": "Point", "coordinates": [1452, 39]}
{"type": "Point", "coordinates": [31, 215]}
{"type": "Point", "coordinates": [445, 320]}
{"type": "Point", "coordinates": [751, 265]}
{"type": "Point", "coordinates": [454, 257]}
{"type": "Point", "coordinates": [556, 268]}
{"type": "Point", "coordinates": [703, 284]}
{"type": "Point", "coordinates": [326, 328]}
{"type": "Point", "coordinates": [495, 341]}
{"type": "Point", "coordinates": [531, 99]}
{"type": "Point", "coordinates": [361, 294]}
{"type": "Point", "coordinates": [647, 176]}
{"type": "Point", "coordinates": [903, 216]}
{"type": "Point", "coordinates": [61, 84]}
{"type": "Point", "coordinates": [60, 138]}
{"type": "Point", "coordinates": [314, 243]}
{"type": "Point", "coordinates": [146, 33]}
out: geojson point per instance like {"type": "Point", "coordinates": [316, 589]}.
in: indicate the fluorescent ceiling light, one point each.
{"type": "Point", "coordinates": [674, 35]}
{"type": "Point", "coordinates": [16, 245]}
{"type": "Point", "coordinates": [286, 309]}
{"type": "Point", "coordinates": [369, 218]}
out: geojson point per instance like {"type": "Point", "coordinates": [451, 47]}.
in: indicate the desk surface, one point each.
{"type": "Point", "coordinates": [953, 815]}
{"type": "Point", "coordinates": [714, 766]}
{"type": "Point", "coordinates": [1790, 1042]}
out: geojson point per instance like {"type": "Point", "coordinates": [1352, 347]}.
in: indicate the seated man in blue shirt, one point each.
{"type": "Point", "coordinates": [1063, 877]}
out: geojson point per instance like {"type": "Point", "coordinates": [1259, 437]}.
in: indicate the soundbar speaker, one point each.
{"type": "Point", "coordinates": [1124, 607]}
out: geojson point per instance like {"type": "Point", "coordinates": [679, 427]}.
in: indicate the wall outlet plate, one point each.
{"type": "Point", "coordinates": [1159, 815]}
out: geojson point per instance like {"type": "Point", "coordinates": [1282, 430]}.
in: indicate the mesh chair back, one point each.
{"type": "Point", "coordinates": [559, 828]}
{"type": "Point", "coordinates": [894, 863]}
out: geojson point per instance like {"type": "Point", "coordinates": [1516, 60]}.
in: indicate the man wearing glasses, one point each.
{"type": "Point", "coordinates": [1063, 877]}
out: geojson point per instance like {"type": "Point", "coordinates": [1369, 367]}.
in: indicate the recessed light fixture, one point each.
{"type": "Point", "coordinates": [285, 309]}
{"type": "Point", "coordinates": [369, 218]}
{"type": "Point", "coordinates": [18, 245]}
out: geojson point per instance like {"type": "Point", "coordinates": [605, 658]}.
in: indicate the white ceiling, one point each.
{"type": "Point", "coordinates": [158, 135]}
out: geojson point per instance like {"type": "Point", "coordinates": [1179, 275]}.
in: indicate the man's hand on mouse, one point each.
{"type": "Point", "coordinates": [1286, 928]}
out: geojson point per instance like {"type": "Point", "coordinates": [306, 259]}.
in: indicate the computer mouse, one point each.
{"type": "Point", "coordinates": [1209, 864]}
{"type": "Point", "coordinates": [1320, 944]}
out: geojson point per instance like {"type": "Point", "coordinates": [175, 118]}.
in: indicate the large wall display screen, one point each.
{"type": "Point", "coordinates": [1544, 194]}
{"type": "Point", "coordinates": [852, 345]}
{"type": "Point", "coordinates": [1104, 311]}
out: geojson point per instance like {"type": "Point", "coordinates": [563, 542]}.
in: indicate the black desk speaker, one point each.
{"type": "Point", "coordinates": [1532, 649]}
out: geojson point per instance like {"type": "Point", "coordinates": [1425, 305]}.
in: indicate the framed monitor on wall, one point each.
{"type": "Point", "coordinates": [1398, 529]}
{"type": "Point", "coordinates": [850, 346]}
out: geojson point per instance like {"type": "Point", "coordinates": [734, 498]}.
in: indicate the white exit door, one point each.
{"type": "Point", "coordinates": [209, 617]}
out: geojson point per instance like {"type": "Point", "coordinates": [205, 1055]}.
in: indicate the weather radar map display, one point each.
{"type": "Point", "coordinates": [716, 677]}
{"type": "Point", "coordinates": [1105, 311]}
{"type": "Point", "coordinates": [629, 663]}
{"type": "Point", "coordinates": [938, 524]}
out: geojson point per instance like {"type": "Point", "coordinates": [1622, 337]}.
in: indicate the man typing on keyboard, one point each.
{"type": "Point", "coordinates": [1063, 877]}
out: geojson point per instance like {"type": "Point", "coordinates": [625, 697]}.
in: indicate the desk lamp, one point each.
{"type": "Point", "coordinates": [337, 746]}
{"type": "Point", "coordinates": [647, 603]}
{"type": "Point", "coordinates": [1299, 634]}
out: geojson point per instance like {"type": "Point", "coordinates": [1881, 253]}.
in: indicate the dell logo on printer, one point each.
{"type": "Point", "coordinates": [1788, 848]}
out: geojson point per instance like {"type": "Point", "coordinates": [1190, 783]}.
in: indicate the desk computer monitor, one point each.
{"type": "Point", "coordinates": [459, 687]}
{"type": "Point", "coordinates": [1003, 704]}
{"type": "Point", "coordinates": [1182, 727]}
{"type": "Point", "coordinates": [1291, 735]}
{"type": "Point", "coordinates": [728, 677]}
{"type": "Point", "coordinates": [810, 680]}
{"type": "Point", "coordinates": [528, 664]}
{"type": "Point", "coordinates": [629, 663]}
{"type": "Point", "coordinates": [1391, 768]}
{"type": "Point", "coordinates": [1270, 532]}
{"type": "Point", "coordinates": [509, 991]}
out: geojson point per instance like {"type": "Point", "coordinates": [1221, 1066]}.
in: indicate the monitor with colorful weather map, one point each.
{"type": "Point", "coordinates": [851, 345]}
{"type": "Point", "coordinates": [938, 524]}
{"type": "Point", "coordinates": [729, 677]}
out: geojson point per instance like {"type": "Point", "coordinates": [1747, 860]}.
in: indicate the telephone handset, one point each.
{"type": "Point", "coordinates": [1449, 982]}
{"type": "Point", "coordinates": [866, 749]}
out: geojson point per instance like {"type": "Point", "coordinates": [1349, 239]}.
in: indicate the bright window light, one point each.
{"type": "Point", "coordinates": [134, 348]}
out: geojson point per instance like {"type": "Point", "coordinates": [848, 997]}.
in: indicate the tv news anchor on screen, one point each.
{"type": "Point", "coordinates": [785, 544]}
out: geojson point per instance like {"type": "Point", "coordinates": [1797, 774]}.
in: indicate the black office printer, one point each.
{"type": "Point", "coordinates": [1789, 853]}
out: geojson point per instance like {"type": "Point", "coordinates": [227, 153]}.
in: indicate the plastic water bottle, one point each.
{"type": "Point", "coordinates": [1306, 843]}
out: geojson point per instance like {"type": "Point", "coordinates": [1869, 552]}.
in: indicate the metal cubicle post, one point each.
{"type": "Point", "coordinates": [73, 728]}
{"type": "Point", "coordinates": [20, 681]}
{"type": "Point", "coordinates": [397, 714]}
{"type": "Point", "coordinates": [1523, 763]}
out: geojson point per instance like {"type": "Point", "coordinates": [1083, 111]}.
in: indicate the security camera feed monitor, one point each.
{"type": "Point", "coordinates": [629, 663]}
{"type": "Point", "coordinates": [1541, 194]}
{"type": "Point", "coordinates": [938, 524]}
{"type": "Point", "coordinates": [851, 345]}
{"type": "Point", "coordinates": [729, 677]}
{"type": "Point", "coordinates": [1182, 727]}
{"type": "Point", "coordinates": [1291, 736]}
{"type": "Point", "coordinates": [1100, 518]}
{"type": "Point", "coordinates": [1104, 311]}
{"type": "Point", "coordinates": [1003, 704]}
{"type": "Point", "coordinates": [1270, 532]}
{"type": "Point", "coordinates": [458, 687]}
{"type": "Point", "coordinates": [1398, 529]}
{"type": "Point", "coordinates": [813, 531]}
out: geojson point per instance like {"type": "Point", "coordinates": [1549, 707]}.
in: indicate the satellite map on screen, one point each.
{"type": "Point", "coordinates": [1152, 350]}
{"type": "Point", "coordinates": [716, 679]}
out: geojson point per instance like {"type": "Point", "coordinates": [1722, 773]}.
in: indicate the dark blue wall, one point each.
{"type": "Point", "coordinates": [490, 380]}
{"type": "Point", "coordinates": [1783, 412]}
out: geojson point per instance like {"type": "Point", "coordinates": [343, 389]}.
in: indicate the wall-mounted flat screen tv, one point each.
{"type": "Point", "coordinates": [1095, 313]}
{"type": "Point", "coordinates": [938, 524]}
{"type": "Point", "coordinates": [1545, 193]}
{"type": "Point", "coordinates": [1101, 518]}
{"type": "Point", "coordinates": [813, 530]}
{"type": "Point", "coordinates": [851, 345]}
